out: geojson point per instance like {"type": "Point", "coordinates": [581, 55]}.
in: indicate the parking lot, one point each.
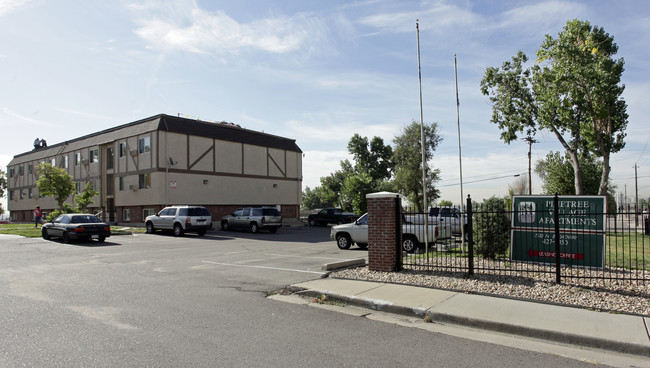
{"type": "Point", "coordinates": [154, 300]}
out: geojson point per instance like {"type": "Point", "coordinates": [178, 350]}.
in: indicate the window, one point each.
{"type": "Point", "coordinates": [77, 187]}
{"type": "Point", "coordinates": [122, 149]}
{"type": "Point", "coordinates": [110, 157]}
{"type": "Point", "coordinates": [93, 155]}
{"type": "Point", "coordinates": [77, 159]}
{"type": "Point", "coordinates": [53, 162]}
{"type": "Point", "coordinates": [21, 170]}
{"type": "Point", "coordinates": [30, 193]}
{"type": "Point", "coordinates": [65, 161]}
{"type": "Point", "coordinates": [144, 144]}
{"type": "Point", "coordinates": [11, 172]}
{"type": "Point", "coordinates": [147, 212]}
{"type": "Point", "coordinates": [126, 214]}
{"type": "Point", "coordinates": [30, 168]}
{"type": "Point", "coordinates": [144, 181]}
{"type": "Point", "coordinates": [120, 183]}
{"type": "Point", "coordinates": [21, 194]}
{"type": "Point", "coordinates": [11, 195]}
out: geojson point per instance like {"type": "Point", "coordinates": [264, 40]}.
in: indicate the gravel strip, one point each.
{"type": "Point", "coordinates": [618, 295]}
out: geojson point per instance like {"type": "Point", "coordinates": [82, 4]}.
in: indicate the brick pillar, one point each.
{"type": "Point", "coordinates": [384, 251]}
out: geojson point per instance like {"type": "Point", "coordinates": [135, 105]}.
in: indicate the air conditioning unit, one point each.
{"type": "Point", "coordinates": [133, 152]}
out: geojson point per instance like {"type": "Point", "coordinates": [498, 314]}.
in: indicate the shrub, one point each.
{"type": "Point", "coordinates": [491, 228]}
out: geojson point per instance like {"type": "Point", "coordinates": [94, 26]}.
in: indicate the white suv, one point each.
{"type": "Point", "coordinates": [180, 219]}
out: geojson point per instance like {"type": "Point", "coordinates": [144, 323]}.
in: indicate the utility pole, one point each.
{"type": "Point", "coordinates": [530, 141]}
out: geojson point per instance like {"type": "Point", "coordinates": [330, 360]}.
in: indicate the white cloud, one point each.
{"type": "Point", "coordinates": [9, 6]}
{"type": "Point", "coordinates": [189, 28]}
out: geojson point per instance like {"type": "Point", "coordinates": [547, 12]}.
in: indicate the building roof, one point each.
{"type": "Point", "coordinates": [199, 128]}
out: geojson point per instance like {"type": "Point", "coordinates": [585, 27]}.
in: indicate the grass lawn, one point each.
{"type": "Point", "coordinates": [29, 231]}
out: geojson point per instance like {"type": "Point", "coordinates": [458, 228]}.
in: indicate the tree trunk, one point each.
{"type": "Point", "coordinates": [577, 173]}
{"type": "Point", "coordinates": [604, 178]}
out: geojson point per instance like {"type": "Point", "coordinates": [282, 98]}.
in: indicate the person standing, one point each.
{"type": "Point", "coordinates": [37, 216]}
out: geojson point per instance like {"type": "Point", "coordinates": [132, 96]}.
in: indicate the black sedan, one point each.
{"type": "Point", "coordinates": [76, 226]}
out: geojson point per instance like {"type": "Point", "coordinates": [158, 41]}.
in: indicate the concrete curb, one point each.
{"type": "Point", "coordinates": [553, 336]}
{"type": "Point", "coordinates": [601, 343]}
{"type": "Point", "coordinates": [343, 264]}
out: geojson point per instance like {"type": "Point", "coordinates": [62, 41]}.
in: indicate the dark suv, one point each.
{"type": "Point", "coordinates": [180, 219]}
{"type": "Point", "coordinates": [253, 218]}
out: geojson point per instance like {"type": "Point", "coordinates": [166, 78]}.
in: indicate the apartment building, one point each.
{"type": "Point", "coordinates": [140, 167]}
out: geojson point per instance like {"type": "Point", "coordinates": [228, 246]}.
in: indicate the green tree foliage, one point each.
{"type": "Point", "coordinates": [573, 91]}
{"type": "Point", "coordinates": [348, 186]}
{"type": "Point", "coordinates": [491, 227]}
{"type": "Point", "coordinates": [445, 203]}
{"type": "Point", "coordinates": [3, 188]}
{"type": "Point", "coordinates": [55, 182]}
{"type": "Point", "coordinates": [316, 198]}
{"type": "Point", "coordinates": [85, 198]}
{"type": "Point", "coordinates": [555, 172]}
{"type": "Point", "coordinates": [408, 163]}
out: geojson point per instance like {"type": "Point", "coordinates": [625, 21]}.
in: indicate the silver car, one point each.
{"type": "Point", "coordinates": [180, 219]}
{"type": "Point", "coordinates": [253, 218]}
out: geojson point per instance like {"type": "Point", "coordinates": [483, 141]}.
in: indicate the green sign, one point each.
{"type": "Point", "coordinates": [581, 220]}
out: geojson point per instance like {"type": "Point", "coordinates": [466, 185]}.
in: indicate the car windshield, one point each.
{"type": "Point", "coordinates": [83, 219]}
{"type": "Point", "coordinates": [363, 220]}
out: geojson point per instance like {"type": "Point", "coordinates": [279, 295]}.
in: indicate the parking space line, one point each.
{"type": "Point", "coordinates": [265, 267]}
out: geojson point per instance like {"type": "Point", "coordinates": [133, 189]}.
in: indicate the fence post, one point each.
{"type": "Point", "coordinates": [470, 237]}
{"type": "Point", "coordinates": [556, 218]}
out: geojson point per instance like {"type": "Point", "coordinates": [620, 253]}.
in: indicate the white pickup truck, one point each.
{"type": "Point", "coordinates": [447, 218]}
{"type": "Point", "coordinates": [357, 233]}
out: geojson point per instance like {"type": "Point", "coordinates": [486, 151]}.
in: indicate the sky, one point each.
{"type": "Point", "coordinates": [314, 71]}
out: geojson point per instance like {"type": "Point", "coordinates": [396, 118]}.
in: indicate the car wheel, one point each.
{"type": "Point", "coordinates": [101, 239]}
{"type": "Point", "coordinates": [46, 236]}
{"type": "Point", "coordinates": [201, 232]}
{"type": "Point", "coordinates": [273, 230]}
{"type": "Point", "coordinates": [178, 230]}
{"type": "Point", "coordinates": [362, 246]}
{"type": "Point", "coordinates": [312, 222]}
{"type": "Point", "coordinates": [254, 227]}
{"type": "Point", "coordinates": [66, 238]}
{"type": "Point", "coordinates": [149, 228]}
{"type": "Point", "coordinates": [343, 241]}
{"type": "Point", "coordinates": [225, 226]}
{"type": "Point", "coordinates": [409, 244]}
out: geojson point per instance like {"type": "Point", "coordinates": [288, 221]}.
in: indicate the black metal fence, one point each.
{"type": "Point", "coordinates": [492, 242]}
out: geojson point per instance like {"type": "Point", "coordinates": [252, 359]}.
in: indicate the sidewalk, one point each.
{"type": "Point", "coordinates": [578, 327]}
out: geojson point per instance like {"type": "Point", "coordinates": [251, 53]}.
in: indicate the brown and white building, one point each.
{"type": "Point", "coordinates": [140, 167]}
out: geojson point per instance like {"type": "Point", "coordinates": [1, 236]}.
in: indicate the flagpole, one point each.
{"type": "Point", "coordinates": [460, 162]}
{"type": "Point", "coordinates": [422, 148]}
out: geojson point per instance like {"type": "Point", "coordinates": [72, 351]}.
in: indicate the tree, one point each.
{"type": "Point", "coordinates": [407, 158]}
{"type": "Point", "coordinates": [3, 188]}
{"type": "Point", "coordinates": [54, 181]}
{"type": "Point", "coordinates": [374, 158]}
{"type": "Point", "coordinates": [85, 198]}
{"type": "Point", "coordinates": [348, 186]}
{"type": "Point", "coordinates": [575, 94]}
{"type": "Point", "coordinates": [555, 172]}
{"type": "Point", "coordinates": [445, 203]}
